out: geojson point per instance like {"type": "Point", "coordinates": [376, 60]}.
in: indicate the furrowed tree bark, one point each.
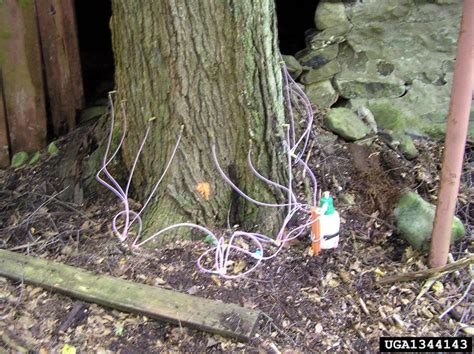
{"type": "Point", "coordinates": [212, 67]}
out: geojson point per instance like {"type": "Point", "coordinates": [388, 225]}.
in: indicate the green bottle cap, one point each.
{"type": "Point", "coordinates": [327, 199]}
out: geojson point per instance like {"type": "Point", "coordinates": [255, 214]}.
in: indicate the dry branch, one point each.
{"type": "Point", "coordinates": [461, 263]}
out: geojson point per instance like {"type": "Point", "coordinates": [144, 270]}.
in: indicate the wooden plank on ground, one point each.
{"type": "Point", "coordinates": [213, 316]}
{"type": "Point", "coordinates": [21, 67]}
{"type": "Point", "coordinates": [57, 43]}
{"type": "Point", "coordinates": [4, 147]}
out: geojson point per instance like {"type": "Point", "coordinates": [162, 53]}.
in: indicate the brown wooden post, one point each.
{"type": "Point", "coordinates": [61, 61]}
{"type": "Point", "coordinates": [4, 145]}
{"type": "Point", "coordinates": [20, 66]}
{"type": "Point", "coordinates": [455, 142]}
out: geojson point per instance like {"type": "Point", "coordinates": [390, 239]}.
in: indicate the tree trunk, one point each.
{"type": "Point", "coordinates": [212, 67]}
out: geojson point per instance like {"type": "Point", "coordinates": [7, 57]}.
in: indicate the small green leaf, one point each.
{"type": "Point", "coordinates": [438, 287]}
{"type": "Point", "coordinates": [35, 158]}
{"type": "Point", "coordinates": [19, 159]}
{"type": "Point", "coordinates": [52, 148]}
{"type": "Point", "coordinates": [68, 349]}
{"type": "Point", "coordinates": [119, 331]}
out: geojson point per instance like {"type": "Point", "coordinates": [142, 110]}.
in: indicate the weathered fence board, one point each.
{"type": "Point", "coordinates": [167, 305]}
{"type": "Point", "coordinates": [63, 75]}
{"type": "Point", "coordinates": [21, 67]}
{"type": "Point", "coordinates": [4, 146]}
{"type": "Point", "coordinates": [72, 48]}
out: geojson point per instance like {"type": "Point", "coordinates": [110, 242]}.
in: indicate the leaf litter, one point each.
{"type": "Point", "coordinates": [327, 303]}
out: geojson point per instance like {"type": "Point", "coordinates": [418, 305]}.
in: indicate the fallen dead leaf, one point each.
{"type": "Point", "coordinates": [159, 281]}
{"type": "Point", "coordinates": [467, 329]}
{"type": "Point", "coordinates": [318, 328]}
{"type": "Point", "coordinates": [239, 266]}
{"type": "Point", "coordinates": [345, 276]}
{"type": "Point", "coordinates": [216, 280]}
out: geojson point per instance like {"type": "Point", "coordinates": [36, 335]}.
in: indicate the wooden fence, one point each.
{"type": "Point", "coordinates": [40, 73]}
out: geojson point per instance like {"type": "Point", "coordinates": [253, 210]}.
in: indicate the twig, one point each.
{"type": "Point", "coordinates": [20, 297]}
{"type": "Point", "coordinates": [27, 245]}
{"type": "Point", "coordinates": [76, 314]}
{"type": "Point", "coordinates": [70, 206]}
{"type": "Point", "coordinates": [310, 150]}
{"type": "Point", "coordinates": [364, 306]}
{"type": "Point", "coordinates": [272, 323]}
{"type": "Point", "coordinates": [457, 302]}
{"type": "Point", "coordinates": [461, 321]}
{"type": "Point", "coordinates": [378, 219]}
{"type": "Point", "coordinates": [428, 272]}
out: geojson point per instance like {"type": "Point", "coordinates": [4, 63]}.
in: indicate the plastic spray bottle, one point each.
{"type": "Point", "coordinates": [330, 223]}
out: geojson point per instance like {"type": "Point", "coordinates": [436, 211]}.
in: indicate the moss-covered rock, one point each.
{"type": "Point", "coordinates": [331, 35]}
{"type": "Point", "coordinates": [346, 124]}
{"type": "Point", "coordinates": [294, 67]}
{"type": "Point", "coordinates": [403, 143]}
{"type": "Point", "coordinates": [401, 53]}
{"type": "Point", "coordinates": [408, 148]}
{"type": "Point", "coordinates": [403, 115]}
{"type": "Point", "coordinates": [352, 85]}
{"type": "Point", "coordinates": [388, 117]}
{"type": "Point", "coordinates": [321, 94]}
{"type": "Point", "coordinates": [330, 13]}
{"type": "Point", "coordinates": [314, 59]}
{"type": "Point", "coordinates": [414, 220]}
{"type": "Point", "coordinates": [325, 72]}
{"type": "Point", "coordinates": [19, 159]}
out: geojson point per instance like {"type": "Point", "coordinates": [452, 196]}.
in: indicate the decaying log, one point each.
{"type": "Point", "coordinates": [162, 304]}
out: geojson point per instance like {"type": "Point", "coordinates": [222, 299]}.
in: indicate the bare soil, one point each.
{"type": "Point", "coordinates": [310, 304]}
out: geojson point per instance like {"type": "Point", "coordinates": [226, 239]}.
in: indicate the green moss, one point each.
{"type": "Point", "coordinates": [388, 117]}
{"type": "Point", "coordinates": [5, 34]}
{"type": "Point", "coordinates": [414, 219]}
{"type": "Point", "coordinates": [435, 131]}
{"type": "Point", "coordinates": [407, 147]}
{"type": "Point", "coordinates": [346, 124]}
{"type": "Point", "coordinates": [24, 3]}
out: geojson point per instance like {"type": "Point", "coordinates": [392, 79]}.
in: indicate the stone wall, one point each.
{"type": "Point", "coordinates": [392, 59]}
